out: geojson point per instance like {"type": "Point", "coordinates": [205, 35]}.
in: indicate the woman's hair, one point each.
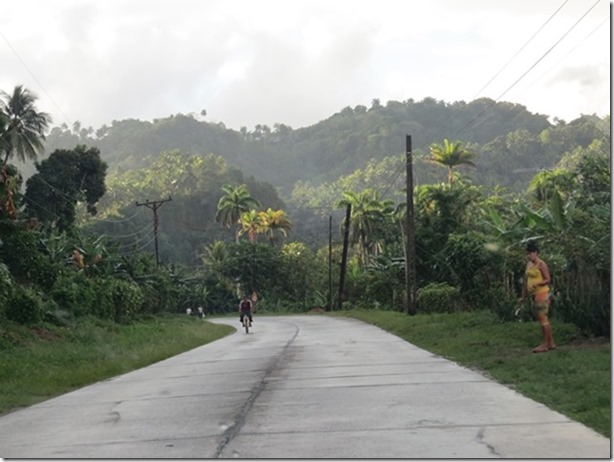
{"type": "Point", "coordinates": [532, 246]}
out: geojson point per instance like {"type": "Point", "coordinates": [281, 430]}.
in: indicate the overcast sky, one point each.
{"type": "Point", "coordinates": [297, 62]}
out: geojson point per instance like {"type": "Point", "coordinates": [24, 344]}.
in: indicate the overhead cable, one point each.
{"type": "Point", "coordinates": [34, 77]}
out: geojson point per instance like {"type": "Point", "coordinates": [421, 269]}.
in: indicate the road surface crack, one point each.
{"type": "Point", "coordinates": [232, 431]}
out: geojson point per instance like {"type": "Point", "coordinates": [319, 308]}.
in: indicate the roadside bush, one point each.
{"type": "Point", "coordinates": [160, 293]}
{"type": "Point", "coordinates": [274, 305]}
{"type": "Point", "coordinates": [6, 287]}
{"type": "Point", "coordinates": [75, 293]}
{"type": "Point", "coordinates": [19, 250]}
{"type": "Point", "coordinates": [25, 306]}
{"type": "Point", "coordinates": [503, 305]}
{"type": "Point", "coordinates": [592, 316]}
{"type": "Point", "coordinates": [102, 289]}
{"type": "Point", "coordinates": [472, 265]}
{"type": "Point", "coordinates": [439, 297]}
{"type": "Point", "coordinates": [127, 298]}
{"type": "Point", "coordinates": [54, 315]}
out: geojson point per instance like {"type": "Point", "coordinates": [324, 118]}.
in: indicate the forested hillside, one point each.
{"type": "Point", "coordinates": [142, 217]}
{"type": "Point", "coordinates": [307, 169]}
{"type": "Point", "coordinates": [507, 135]}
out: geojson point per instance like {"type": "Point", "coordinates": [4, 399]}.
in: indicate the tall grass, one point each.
{"type": "Point", "coordinates": [574, 379]}
{"type": "Point", "coordinates": [42, 362]}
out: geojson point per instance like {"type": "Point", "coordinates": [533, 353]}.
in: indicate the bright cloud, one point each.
{"type": "Point", "coordinates": [298, 62]}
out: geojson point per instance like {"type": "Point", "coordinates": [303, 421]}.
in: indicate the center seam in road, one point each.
{"type": "Point", "coordinates": [234, 429]}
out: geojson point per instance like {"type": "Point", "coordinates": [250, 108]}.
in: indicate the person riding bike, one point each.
{"type": "Point", "coordinates": [245, 308]}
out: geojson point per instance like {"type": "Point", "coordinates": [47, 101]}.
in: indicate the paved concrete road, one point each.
{"type": "Point", "coordinates": [298, 387]}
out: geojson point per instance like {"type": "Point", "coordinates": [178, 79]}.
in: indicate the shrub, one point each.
{"type": "Point", "coordinates": [74, 292]}
{"type": "Point", "coordinates": [473, 264]}
{"type": "Point", "coordinates": [592, 316]}
{"type": "Point", "coordinates": [25, 306]}
{"type": "Point", "coordinates": [162, 292]}
{"type": "Point", "coordinates": [6, 286]}
{"type": "Point", "coordinates": [19, 250]}
{"type": "Point", "coordinates": [279, 306]}
{"type": "Point", "coordinates": [439, 297]}
{"type": "Point", "coordinates": [104, 307]}
{"type": "Point", "coordinates": [127, 298]}
{"type": "Point", "coordinates": [56, 316]}
{"type": "Point", "coordinates": [504, 305]}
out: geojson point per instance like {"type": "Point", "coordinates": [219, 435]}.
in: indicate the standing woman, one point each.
{"type": "Point", "coordinates": [537, 285]}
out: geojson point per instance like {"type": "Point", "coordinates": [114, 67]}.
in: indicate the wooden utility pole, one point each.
{"type": "Point", "coordinates": [155, 205]}
{"type": "Point", "coordinates": [410, 234]}
{"type": "Point", "coordinates": [344, 257]}
{"type": "Point", "coordinates": [330, 262]}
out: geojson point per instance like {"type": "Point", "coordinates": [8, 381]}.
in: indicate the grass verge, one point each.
{"type": "Point", "coordinates": [38, 363]}
{"type": "Point", "coordinates": [574, 379]}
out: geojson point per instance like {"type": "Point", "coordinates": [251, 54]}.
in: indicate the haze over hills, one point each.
{"type": "Point", "coordinates": [306, 171]}
{"type": "Point", "coordinates": [338, 145]}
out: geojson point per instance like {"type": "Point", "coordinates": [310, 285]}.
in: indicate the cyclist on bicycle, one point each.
{"type": "Point", "coordinates": [245, 308]}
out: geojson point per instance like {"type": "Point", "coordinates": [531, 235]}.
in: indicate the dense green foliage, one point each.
{"type": "Point", "coordinates": [439, 297]}
{"type": "Point", "coordinates": [63, 180]}
{"type": "Point", "coordinates": [278, 231]}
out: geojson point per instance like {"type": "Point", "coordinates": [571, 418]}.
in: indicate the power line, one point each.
{"type": "Point", "coordinates": [125, 236]}
{"type": "Point", "coordinates": [400, 170]}
{"type": "Point", "coordinates": [142, 247]}
{"type": "Point", "coordinates": [34, 77]}
{"type": "Point", "coordinates": [568, 53]}
{"type": "Point", "coordinates": [527, 71]}
{"type": "Point", "coordinates": [36, 204]}
{"type": "Point", "coordinates": [154, 206]}
{"type": "Point", "coordinates": [67, 197]}
{"type": "Point", "coordinates": [123, 220]}
{"type": "Point", "coordinates": [521, 48]}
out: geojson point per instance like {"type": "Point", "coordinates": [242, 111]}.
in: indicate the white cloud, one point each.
{"type": "Point", "coordinates": [298, 62]}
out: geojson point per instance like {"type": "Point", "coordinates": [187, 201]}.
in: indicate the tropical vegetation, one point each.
{"type": "Point", "coordinates": [264, 210]}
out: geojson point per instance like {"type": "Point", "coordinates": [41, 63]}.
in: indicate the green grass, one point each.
{"type": "Point", "coordinates": [574, 379]}
{"type": "Point", "coordinates": [39, 363]}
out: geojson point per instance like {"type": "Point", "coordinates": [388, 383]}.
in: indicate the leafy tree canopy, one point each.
{"type": "Point", "coordinates": [63, 180]}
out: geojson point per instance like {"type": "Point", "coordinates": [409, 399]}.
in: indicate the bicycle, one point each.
{"type": "Point", "coordinates": [246, 323]}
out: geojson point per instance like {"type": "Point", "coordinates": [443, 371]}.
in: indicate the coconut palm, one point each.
{"type": "Point", "coordinates": [450, 155]}
{"type": "Point", "coordinates": [368, 213]}
{"type": "Point", "coordinates": [22, 127]}
{"type": "Point", "coordinates": [274, 220]}
{"type": "Point", "coordinates": [233, 204]}
{"type": "Point", "coordinates": [251, 223]}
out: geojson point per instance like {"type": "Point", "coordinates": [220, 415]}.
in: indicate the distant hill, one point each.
{"type": "Point", "coordinates": [336, 146]}
{"type": "Point", "coordinates": [304, 171]}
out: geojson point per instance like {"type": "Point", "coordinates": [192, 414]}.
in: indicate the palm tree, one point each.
{"type": "Point", "coordinates": [251, 223]}
{"type": "Point", "coordinates": [22, 127]}
{"type": "Point", "coordinates": [233, 204]}
{"type": "Point", "coordinates": [450, 155]}
{"type": "Point", "coordinates": [368, 212]}
{"type": "Point", "coordinates": [275, 220]}
{"type": "Point", "coordinates": [214, 257]}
